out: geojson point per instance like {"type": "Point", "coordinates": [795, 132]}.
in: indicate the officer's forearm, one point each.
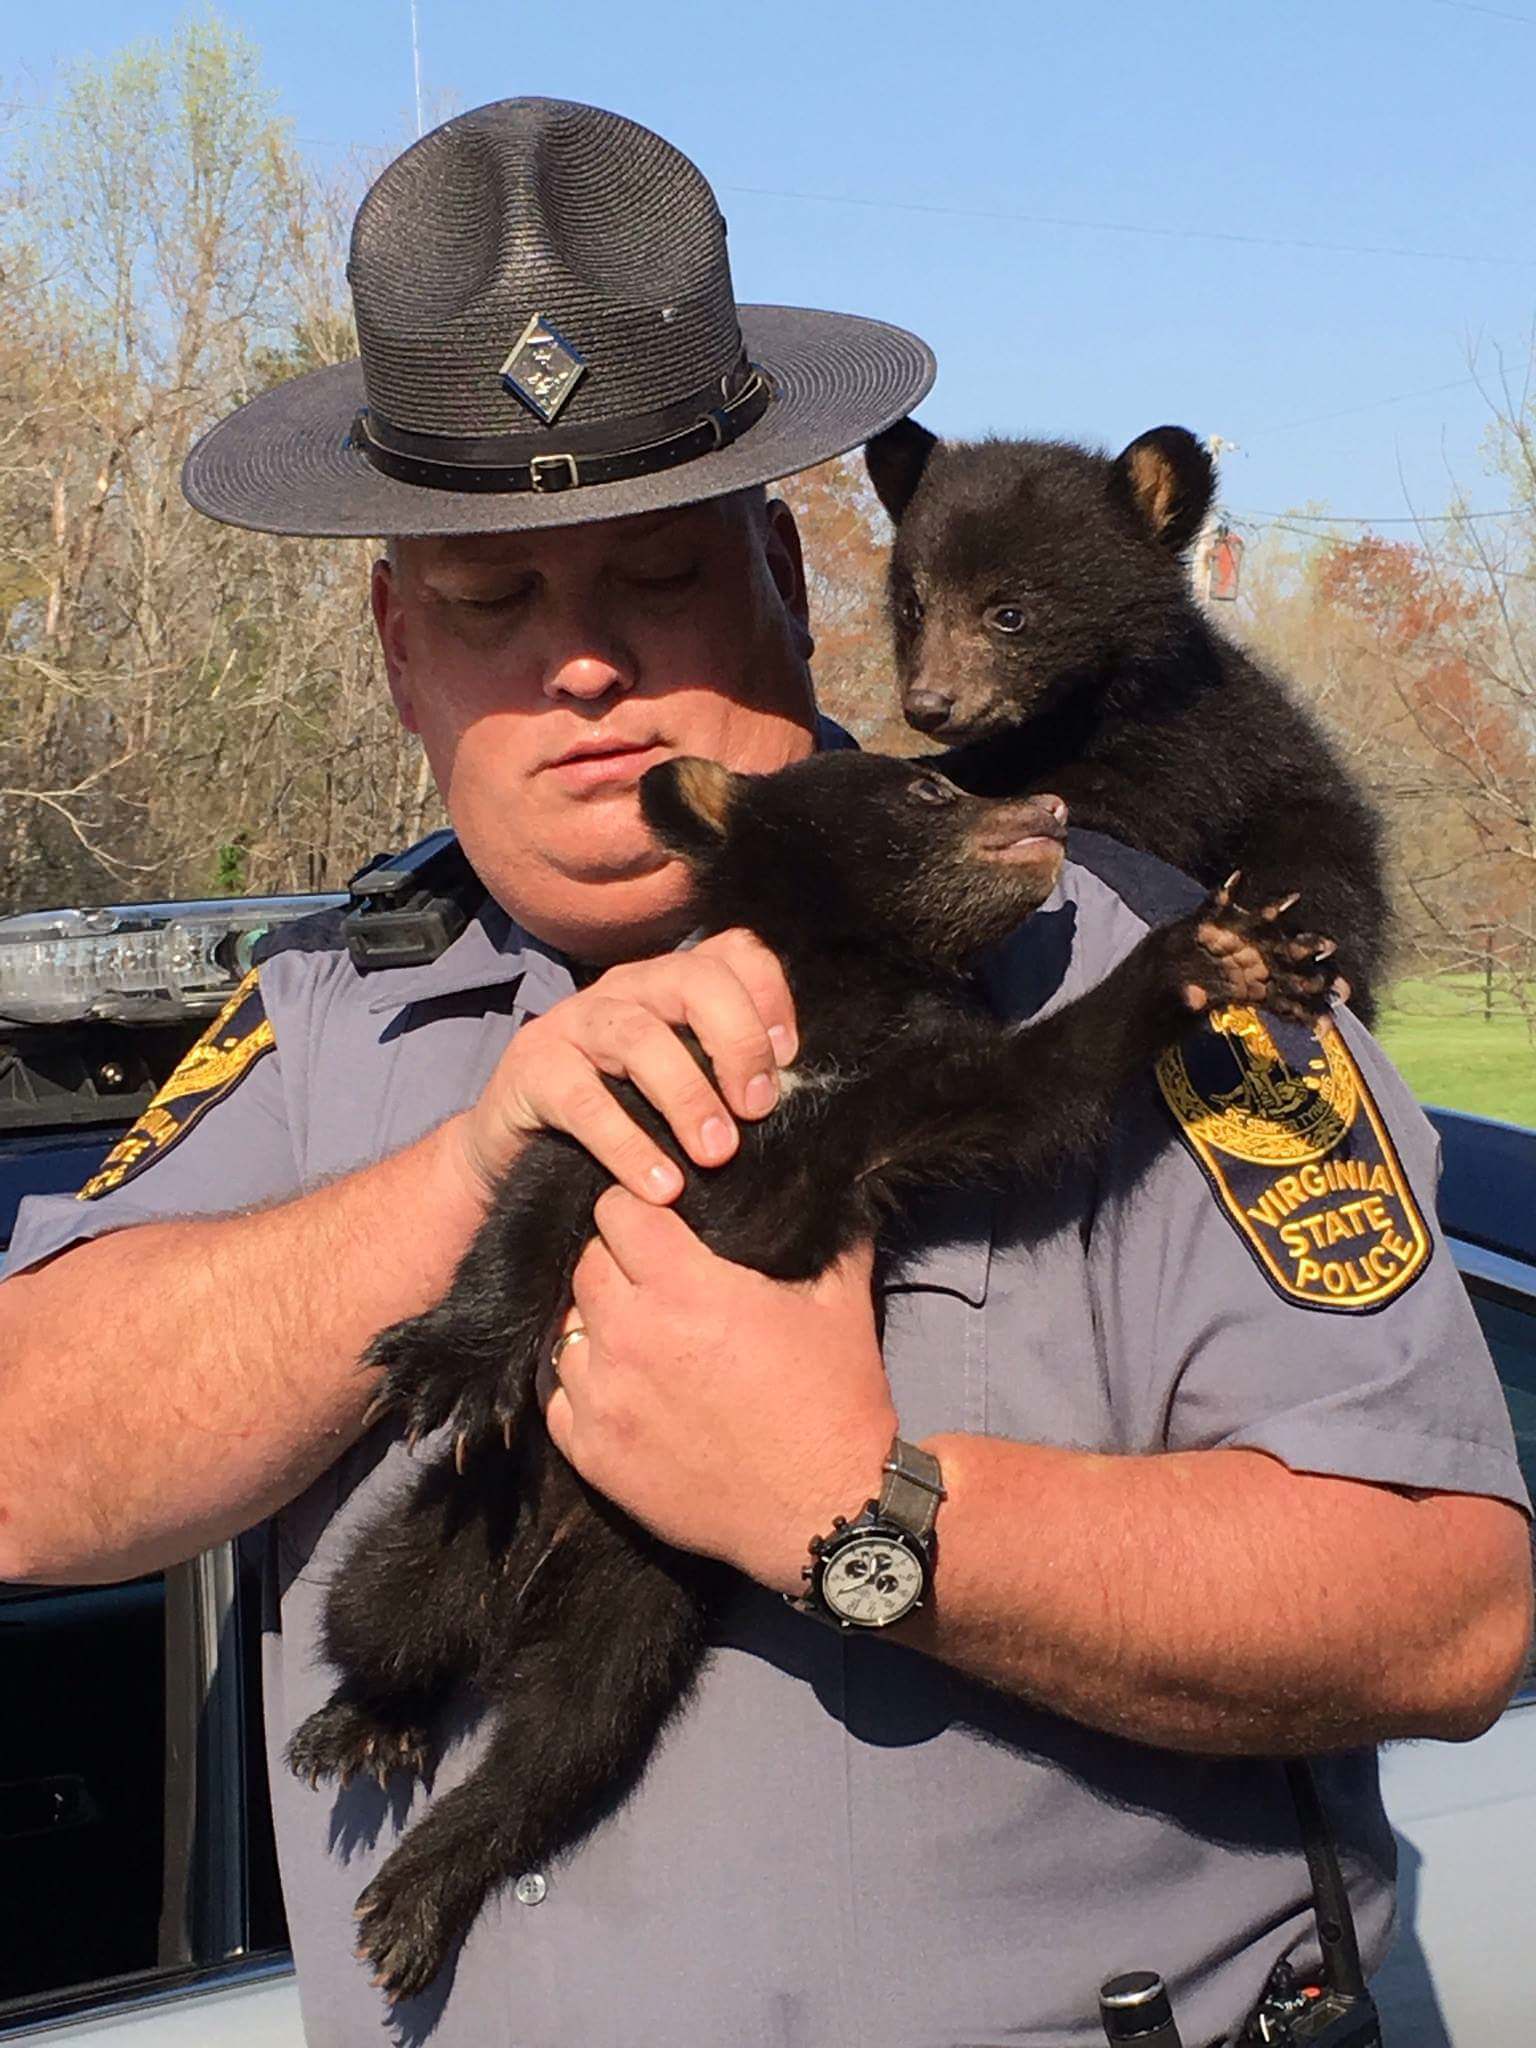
{"type": "Point", "coordinates": [165, 1386]}
{"type": "Point", "coordinates": [1216, 1601]}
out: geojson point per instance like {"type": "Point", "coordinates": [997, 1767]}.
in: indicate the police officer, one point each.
{"type": "Point", "coordinates": [1226, 1472]}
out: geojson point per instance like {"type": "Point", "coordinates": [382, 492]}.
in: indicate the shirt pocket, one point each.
{"type": "Point", "coordinates": [932, 1296]}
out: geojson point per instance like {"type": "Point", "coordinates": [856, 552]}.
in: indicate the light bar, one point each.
{"type": "Point", "coordinates": [139, 963]}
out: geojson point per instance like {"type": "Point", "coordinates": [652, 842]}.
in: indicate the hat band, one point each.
{"type": "Point", "coordinates": [441, 462]}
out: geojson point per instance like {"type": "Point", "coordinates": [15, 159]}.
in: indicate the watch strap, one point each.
{"type": "Point", "coordinates": [912, 1491]}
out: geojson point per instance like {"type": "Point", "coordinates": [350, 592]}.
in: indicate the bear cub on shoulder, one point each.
{"type": "Point", "coordinates": [877, 883]}
{"type": "Point", "coordinates": [1045, 627]}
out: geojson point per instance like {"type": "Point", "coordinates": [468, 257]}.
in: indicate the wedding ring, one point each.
{"type": "Point", "coordinates": [570, 1337]}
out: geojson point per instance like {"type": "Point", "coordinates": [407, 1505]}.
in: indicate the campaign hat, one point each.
{"type": "Point", "coordinates": [548, 335]}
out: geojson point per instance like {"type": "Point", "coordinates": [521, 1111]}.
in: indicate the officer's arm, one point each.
{"type": "Point", "coordinates": [167, 1385]}
{"type": "Point", "coordinates": [1319, 1547]}
{"type": "Point", "coordinates": [1218, 1601]}
{"type": "Point", "coordinates": [1213, 1600]}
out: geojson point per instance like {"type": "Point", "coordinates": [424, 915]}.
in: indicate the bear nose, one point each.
{"type": "Point", "coordinates": [928, 709]}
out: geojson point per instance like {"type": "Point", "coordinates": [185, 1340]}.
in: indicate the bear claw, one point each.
{"type": "Point", "coordinates": [343, 1741]}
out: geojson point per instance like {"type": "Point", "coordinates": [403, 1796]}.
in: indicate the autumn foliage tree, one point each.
{"type": "Point", "coordinates": [1463, 780]}
{"type": "Point", "coordinates": [1416, 659]}
{"type": "Point", "coordinates": [846, 537]}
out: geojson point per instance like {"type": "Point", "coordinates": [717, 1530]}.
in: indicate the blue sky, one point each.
{"type": "Point", "coordinates": [1050, 184]}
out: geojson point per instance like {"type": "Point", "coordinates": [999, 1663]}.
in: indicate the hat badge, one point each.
{"type": "Point", "coordinates": [542, 369]}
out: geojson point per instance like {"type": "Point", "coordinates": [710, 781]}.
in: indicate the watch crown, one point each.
{"type": "Point", "coordinates": [806, 1572]}
{"type": "Point", "coordinates": [839, 1521]}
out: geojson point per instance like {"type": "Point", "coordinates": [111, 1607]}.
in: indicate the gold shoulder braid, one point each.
{"type": "Point", "coordinates": [225, 1053]}
{"type": "Point", "coordinates": [1282, 1125]}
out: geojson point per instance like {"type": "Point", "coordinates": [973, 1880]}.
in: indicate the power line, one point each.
{"type": "Point", "coordinates": [1348, 519]}
{"type": "Point", "coordinates": [1277, 525]}
{"type": "Point", "coordinates": [1318, 419]}
{"type": "Point", "coordinates": [1121, 227]}
{"type": "Point", "coordinates": [1494, 13]}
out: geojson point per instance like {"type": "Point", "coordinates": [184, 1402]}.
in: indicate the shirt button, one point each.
{"type": "Point", "coordinates": [530, 1888]}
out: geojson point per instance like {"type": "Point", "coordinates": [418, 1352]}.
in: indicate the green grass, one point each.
{"type": "Point", "coordinates": [1451, 1054]}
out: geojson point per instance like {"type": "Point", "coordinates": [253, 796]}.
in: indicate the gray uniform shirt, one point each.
{"type": "Point", "coordinates": [842, 1840]}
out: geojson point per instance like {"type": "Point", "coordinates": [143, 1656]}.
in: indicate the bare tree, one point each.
{"type": "Point", "coordinates": [183, 707]}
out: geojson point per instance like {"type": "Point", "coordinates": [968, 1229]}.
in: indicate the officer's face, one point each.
{"type": "Point", "coordinates": [546, 672]}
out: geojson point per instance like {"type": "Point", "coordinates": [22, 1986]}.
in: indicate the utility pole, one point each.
{"type": "Point", "coordinates": [416, 64]}
{"type": "Point", "coordinates": [1218, 551]}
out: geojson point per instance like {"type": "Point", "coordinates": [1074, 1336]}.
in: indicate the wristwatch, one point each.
{"type": "Point", "coordinates": [877, 1568]}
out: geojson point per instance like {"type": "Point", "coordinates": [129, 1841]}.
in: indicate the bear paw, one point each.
{"type": "Point", "coordinates": [344, 1740]}
{"type": "Point", "coordinates": [431, 1380]}
{"type": "Point", "coordinates": [1252, 957]}
{"type": "Point", "coordinates": [408, 1920]}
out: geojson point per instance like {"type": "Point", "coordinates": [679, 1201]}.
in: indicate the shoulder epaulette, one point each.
{"type": "Point", "coordinates": [1150, 887]}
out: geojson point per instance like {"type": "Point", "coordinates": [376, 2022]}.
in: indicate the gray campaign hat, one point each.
{"type": "Point", "coordinates": [548, 335]}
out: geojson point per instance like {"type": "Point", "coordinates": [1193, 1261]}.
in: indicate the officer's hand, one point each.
{"type": "Point", "coordinates": [731, 993]}
{"type": "Point", "coordinates": [729, 1413]}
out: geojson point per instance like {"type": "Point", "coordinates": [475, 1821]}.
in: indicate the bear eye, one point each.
{"type": "Point", "coordinates": [1005, 618]}
{"type": "Point", "coordinates": [928, 789]}
{"type": "Point", "coordinates": [909, 606]}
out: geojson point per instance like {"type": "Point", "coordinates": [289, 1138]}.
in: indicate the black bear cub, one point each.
{"type": "Point", "coordinates": [1044, 625]}
{"type": "Point", "coordinates": [876, 882]}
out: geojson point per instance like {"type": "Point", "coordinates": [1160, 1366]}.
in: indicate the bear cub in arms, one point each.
{"type": "Point", "coordinates": [1045, 627]}
{"type": "Point", "coordinates": [877, 882]}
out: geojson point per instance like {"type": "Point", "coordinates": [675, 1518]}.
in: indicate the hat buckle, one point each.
{"type": "Point", "coordinates": [543, 470]}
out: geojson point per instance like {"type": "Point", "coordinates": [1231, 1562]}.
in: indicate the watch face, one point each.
{"type": "Point", "coordinates": [872, 1581]}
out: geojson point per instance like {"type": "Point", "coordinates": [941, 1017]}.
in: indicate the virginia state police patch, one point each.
{"type": "Point", "coordinates": [221, 1058]}
{"type": "Point", "coordinates": [1284, 1129]}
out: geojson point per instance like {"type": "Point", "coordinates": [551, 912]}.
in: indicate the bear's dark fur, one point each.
{"type": "Point", "coordinates": [875, 882]}
{"type": "Point", "coordinates": [1045, 626]}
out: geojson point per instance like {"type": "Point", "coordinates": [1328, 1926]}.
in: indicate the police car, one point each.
{"type": "Point", "coordinates": [138, 1884]}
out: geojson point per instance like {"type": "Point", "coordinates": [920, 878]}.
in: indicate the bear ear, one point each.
{"type": "Point", "coordinates": [896, 460]}
{"type": "Point", "coordinates": [687, 804]}
{"type": "Point", "coordinates": [1169, 480]}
